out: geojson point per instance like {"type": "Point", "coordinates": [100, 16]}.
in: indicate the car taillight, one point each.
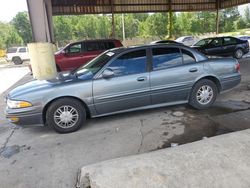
{"type": "Point", "coordinates": [237, 67]}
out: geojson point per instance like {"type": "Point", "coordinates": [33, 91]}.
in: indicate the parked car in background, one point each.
{"type": "Point", "coordinates": [76, 54]}
{"type": "Point", "coordinates": [165, 42]}
{"type": "Point", "coordinates": [244, 37]}
{"type": "Point", "coordinates": [223, 46]}
{"type": "Point", "coordinates": [186, 40]}
{"type": "Point", "coordinates": [122, 80]}
{"type": "Point", "coordinates": [17, 55]}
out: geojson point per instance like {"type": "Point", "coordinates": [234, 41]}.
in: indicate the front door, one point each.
{"type": "Point", "coordinates": [128, 88]}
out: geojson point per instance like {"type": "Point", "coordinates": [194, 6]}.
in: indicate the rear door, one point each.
{"type": "Point", "coordinates": [91, 50]}
{"type": "Point", "coordinates": [229, 45]}
{"type": "Point", "coordinates": [173, 74]}
{"type": "Point", "coordinates": [128, 88]}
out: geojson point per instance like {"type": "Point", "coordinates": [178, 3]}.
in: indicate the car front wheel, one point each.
{"type": "Point", "coordinates": [66, 115]}
{"type": "Point", "coordinates": [203, 94]}
{"type": "Point", "coordinates": [17, 60]}
{"type": "Point", "coordinates": [238, 54]}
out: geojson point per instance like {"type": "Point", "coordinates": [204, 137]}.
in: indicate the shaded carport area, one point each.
{"type": "Point", "coordinates": [41, 11]}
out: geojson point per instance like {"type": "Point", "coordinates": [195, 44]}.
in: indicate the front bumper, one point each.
{"type": "Point", "coordinates": [25, 116]}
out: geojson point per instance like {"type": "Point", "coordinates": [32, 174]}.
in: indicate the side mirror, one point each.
{"type": "Point", "coordinates": [108, 73]}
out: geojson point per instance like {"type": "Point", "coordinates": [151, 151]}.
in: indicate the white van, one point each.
{"type": "Point", "coordinates": [17, 55]}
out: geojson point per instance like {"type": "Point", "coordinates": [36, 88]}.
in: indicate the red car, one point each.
{"type": "Point", "coordinates": [76, 54]}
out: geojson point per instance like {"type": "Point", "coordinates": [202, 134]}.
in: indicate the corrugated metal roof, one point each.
{"type": "Point", "coordinates": [60, 7]}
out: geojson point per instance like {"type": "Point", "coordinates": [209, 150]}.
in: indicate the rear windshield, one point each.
{"type": "Point", "coordinates": [12, 50]}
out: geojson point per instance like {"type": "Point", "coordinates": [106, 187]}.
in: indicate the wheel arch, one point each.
{"type": "Point", "coordinates": [88, 114]}
{"type": "Point", "coordinates": [213, 79]}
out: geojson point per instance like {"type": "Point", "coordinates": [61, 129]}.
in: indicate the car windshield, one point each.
{"type": "Point", "coordinates": [203, 42]}
{"type": "Point", "coordinates": [94, 65]}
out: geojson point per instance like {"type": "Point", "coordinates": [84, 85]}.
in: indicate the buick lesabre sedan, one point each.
{"type": "Point", "coordinates": [122, 80]}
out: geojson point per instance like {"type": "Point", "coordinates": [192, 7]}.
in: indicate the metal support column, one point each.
{"type": "Point", "coordinates": [217, 17]}
{"type": "Point", "coordinates": [113, 19]}
{"type": "Point", "coordinates": [170, 20]}
{"type": "Point", "coordinates": [40, 13]}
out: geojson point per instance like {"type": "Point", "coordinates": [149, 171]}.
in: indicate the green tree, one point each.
{"type": "Point", "coordinates": [227, 19]}
{"type": "Point", "coordinates": [22, 25]}
{"type": "Point", "coordinates": [9, 36]}
{"type": "Point", "coordinates": [247, 16]}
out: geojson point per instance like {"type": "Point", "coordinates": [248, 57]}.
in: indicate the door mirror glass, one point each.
{"type": "Point", "coordinates": [108, 73]}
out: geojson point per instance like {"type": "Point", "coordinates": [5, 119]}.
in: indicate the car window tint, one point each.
{"type": "Point", "coordinates": [11, 50]}
{"type": "Point", "coordinates": [92, 46]}
{"type": "Point", "coordinates": [130, 63]}
{"type": "Point", "coordinates": [22, 50]}
{"type": "Point", "coordinates": [188, 57]}
{"type": "Point", "coordinates": [75, 48]}
{"type": "Point", "coordinates": [166, 57]}
{"type": "Point", "coordinates": [109, 45]}
{"type": "Point", "coordinates": [229, 41]}
{"type": "Point", "coordinates": [216, 42]}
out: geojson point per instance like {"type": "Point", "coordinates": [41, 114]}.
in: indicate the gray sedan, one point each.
{"type": "Point", "coordinates": [122, 80]}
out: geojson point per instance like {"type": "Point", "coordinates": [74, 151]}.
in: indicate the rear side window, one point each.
{"type": "Point", "coordinates": [164, 58]}
{"type": "Point", "coordinates": [229, 41]}
{"type": "Point", "coordinates": [187, 56]}
{"type": "Point", "coordinates": [22, 50]}
{"type": "Point", "coordinates": [12, 50]}
{"type": "Point", "coordinates": [92, 46]}
{"type": "Point", "coordinates": [130, 63]}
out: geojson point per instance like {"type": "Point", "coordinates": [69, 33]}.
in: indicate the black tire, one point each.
{"type": "Point", "coordinates": [238, 53]}
{"type": "Point", "coordinates": [196, 99]}
{"type": "Point", "coordinates": [17, 60]}
{"type": "Point", "coordinates": [71, 104]}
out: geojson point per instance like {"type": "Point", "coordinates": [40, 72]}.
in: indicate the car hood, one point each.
{"type": "Point", "coordinates": [41, 85]}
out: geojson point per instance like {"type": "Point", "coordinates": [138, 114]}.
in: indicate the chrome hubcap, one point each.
{"type": "Point", "coordinates": [66, 116]}
{"type": "Point", "coordinates": [239, 53]}
{"type": "Point", "coordinates": [204, 94]}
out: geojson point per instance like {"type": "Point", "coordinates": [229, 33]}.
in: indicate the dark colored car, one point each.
{"type": "Point", "coordinates": [223, 46]}
{"type": "Point", "coordinates": [165, 42]}
{"type": "Point", "coordinates": [123, 80]}
{"type": "Point", "coordinates": [77, 54]}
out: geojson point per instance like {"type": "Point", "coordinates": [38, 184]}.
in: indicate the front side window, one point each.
{"type": "Point", "coordinates": [75, 48]}
{"type": "Point", "coordinates": [216, 42]}
{"type": "Point", "coordinates": [164, 58]}
{"type": "Point", "coordinates": [130, 63]}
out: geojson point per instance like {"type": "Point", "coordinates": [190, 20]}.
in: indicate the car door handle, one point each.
{"type": "Point", "coordinates": [193, 70]}
{"type": "Point", "coordinates": [141, 79]}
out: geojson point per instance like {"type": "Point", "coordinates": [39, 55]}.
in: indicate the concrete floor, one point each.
{"type": "Point", "coordinates": [39, 157]}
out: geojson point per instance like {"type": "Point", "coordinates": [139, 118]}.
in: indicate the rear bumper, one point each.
{"type": "Point", "coordinates": [230, 82]}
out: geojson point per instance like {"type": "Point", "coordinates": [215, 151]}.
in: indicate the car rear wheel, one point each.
{"type": "Point", "coordinates": [203, 94]}
{"type": "Point", "coordinates": [238, 53]}
{"type": "Point", "coordinates": [17, 60]}
{"type": "Point", "coordinates": [66, 115]}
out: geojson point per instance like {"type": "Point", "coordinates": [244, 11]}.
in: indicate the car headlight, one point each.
{"type": "Point", "coordinates": [18, 104]}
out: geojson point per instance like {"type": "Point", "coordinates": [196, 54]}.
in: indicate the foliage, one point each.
{"type": "Point", "coordinates": [22, 25]}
